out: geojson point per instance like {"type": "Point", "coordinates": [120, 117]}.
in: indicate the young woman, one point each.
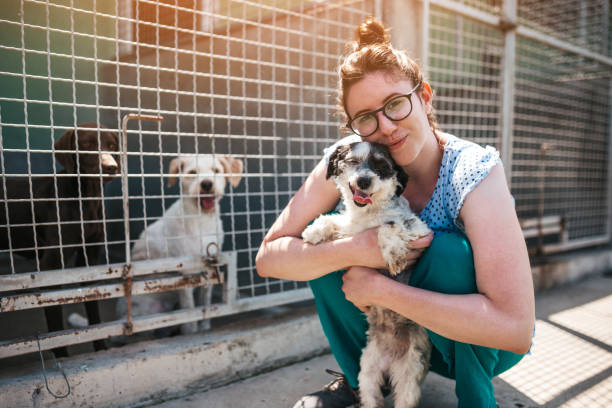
{"type": "Point", "coordinates": [471, 287]}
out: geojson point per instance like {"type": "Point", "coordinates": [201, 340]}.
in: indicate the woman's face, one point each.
{"type": "Point", "coordinates": [404, 138]}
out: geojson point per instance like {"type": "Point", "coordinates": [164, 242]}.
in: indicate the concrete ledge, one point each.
{"type": "Point", "coordinates": [154, 371]}
{"type": "Point", "coordinates": [560, 269]}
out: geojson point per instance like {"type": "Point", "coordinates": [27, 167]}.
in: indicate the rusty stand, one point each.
{"type": "Point", "coordinates": [211, 263]}
{"type": "Point", "coordinates": [127, 288]}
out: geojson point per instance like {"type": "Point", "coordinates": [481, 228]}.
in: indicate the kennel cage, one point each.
{"type": "Point", "coordinates": [256, 80]}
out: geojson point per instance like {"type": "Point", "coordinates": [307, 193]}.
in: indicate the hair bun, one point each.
{"type": "Point", "coordinates": [370, 32]}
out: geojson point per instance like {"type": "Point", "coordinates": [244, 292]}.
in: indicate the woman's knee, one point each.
{"type": "Point", "coordinates": [447, 266]}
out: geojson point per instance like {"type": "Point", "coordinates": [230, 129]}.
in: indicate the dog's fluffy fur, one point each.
{"type": "Point", "coordinates": [188, 226]}
{"type": "Point", "coordinates": [371, 185]}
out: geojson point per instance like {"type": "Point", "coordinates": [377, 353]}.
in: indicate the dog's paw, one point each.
{"type": "Point", "coordinates": [77, 320]}
{"type": "Point", "coordinates": [321, 230]}
{"type": "Point", "coordinates": [394, 241]}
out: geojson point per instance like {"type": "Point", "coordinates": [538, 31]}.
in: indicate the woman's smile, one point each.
{"type": "Point", "coordinates": [397, 144]}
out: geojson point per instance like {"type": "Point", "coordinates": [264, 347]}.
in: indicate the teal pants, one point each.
{"type": "Point", "coordinates": [447, 266]}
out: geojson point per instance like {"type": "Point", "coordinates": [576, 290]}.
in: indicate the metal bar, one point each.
{"type": "Point", "coordinates": [575, 244]}
{"type": "Point", "coordinates": [230, 289]}
{"type": "Point", "coordinates": [425, 36]}
{"type": "Point", "coordinates": [466, 11]}
{"type": "Point", "coordinates": [139, 323]}
{"type": "Point", "coordinates": [378, 9]}
{"type": "Point", "coordinates": [605, 25]}
{"type": "Point", "coordinates": [497, 22]}
{"type": "Point", "coordinates": [6, 207]}
{"type": "Point", "coordinates": [85, 294]}
{"type": "Point", "coordinates": [543, 230]}
{"type": "Point", "coordinates": [609, 183]}
{"type": "Point", "coordinates": [534, 222]}
{"type": "Point", "coordinates": [144, 323]}
{"type": "Point", "coordinates": [545, 39]}
{"type": "Point", "coordinates": [50, 341]}
{"type": "Point", "coordinates": [508, 87]}
{"type": "Point", "coordinates": [276, 299]}
{"type": "Point", "coordinates": [21, 281]}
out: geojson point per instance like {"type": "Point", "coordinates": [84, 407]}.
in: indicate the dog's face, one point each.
{"type": "Point", "coordinates": [203, 178]}
{"type": "Point", "coordinates": [365, 174]}
{"type": "Point", "coordinates": [92, 151]}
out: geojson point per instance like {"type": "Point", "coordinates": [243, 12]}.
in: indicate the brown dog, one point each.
{"type": "Point", "coordinates": [65, 218]}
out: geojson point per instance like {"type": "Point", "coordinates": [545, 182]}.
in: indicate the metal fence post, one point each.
{"type": "Point", "coordinates": [508, 24]}
{"type": "Point", "coordinates": [609, 229]}
{"type": "Point", "coordinates": [411, 37]}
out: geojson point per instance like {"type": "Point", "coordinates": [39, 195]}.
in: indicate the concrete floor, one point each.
{"type": "Point", "coordinates": [570, 364]}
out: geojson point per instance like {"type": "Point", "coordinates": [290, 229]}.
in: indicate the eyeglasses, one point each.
{"type": "Point", "coordinates": [395, 109]}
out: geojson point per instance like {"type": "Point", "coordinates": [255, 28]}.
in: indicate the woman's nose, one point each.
{"type": "Point", "coordinates": [385, 125]}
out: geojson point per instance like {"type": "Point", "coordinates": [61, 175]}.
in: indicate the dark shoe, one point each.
{"type": "Point", "coordinates": [336, 394]}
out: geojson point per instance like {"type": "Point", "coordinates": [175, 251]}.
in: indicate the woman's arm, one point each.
{"type": "Point", "coordinates": [284, 255]}
{"type": "Point", "coordinates": [501, 315]}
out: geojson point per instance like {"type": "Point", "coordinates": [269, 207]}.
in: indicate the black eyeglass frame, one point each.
{"type": "Point", "coordinates": [349, 124]}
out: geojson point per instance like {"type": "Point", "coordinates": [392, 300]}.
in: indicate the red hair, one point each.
{"type": "Point", "coordinates": [372, 52]}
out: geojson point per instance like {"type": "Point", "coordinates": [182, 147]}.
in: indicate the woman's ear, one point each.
{"type": "Point", "coordinates": [426, 96]}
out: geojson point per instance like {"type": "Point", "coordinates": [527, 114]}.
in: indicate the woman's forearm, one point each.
{"type": "Point", "coordinates": [292, 259]}
{"type": "Point", "coordinates": [471, 318]}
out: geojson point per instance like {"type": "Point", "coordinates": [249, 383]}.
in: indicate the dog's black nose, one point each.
{"type": "Point", "coordinates": [364, 182]}
{"type": "Point", "coordinates": [109, 169]}
{"type": "Point", "coordinates": [206, 185]}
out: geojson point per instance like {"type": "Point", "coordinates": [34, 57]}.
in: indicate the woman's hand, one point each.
{"type": "Point", "coordinates": [361, 283]}
{"type": "Point", "coordinates": [368, 252]}
{"type": "Point", "coordinates": [360, 286]}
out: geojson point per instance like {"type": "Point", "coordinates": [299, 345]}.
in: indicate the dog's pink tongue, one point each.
{"type": "Point", "coordinates": [361, 197]}
{"type": "Point", "coordinates": [207, 203]}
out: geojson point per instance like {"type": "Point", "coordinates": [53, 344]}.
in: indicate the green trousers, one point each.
{"type": "Point", "coordinates": [447, 266]}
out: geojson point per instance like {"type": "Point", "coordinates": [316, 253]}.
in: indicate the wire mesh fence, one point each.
{"type": "Point", "coordinates": [561, 138]}
{"type": "Point", "coordinates": [249, 82]}
{"type": "Point", "coordinates": [465, 64]}
{"type": "Point", "coordinates": [235, 82]}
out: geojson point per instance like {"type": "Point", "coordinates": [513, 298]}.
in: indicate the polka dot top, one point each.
{"type": "Point", "coordinates": [464, 166]}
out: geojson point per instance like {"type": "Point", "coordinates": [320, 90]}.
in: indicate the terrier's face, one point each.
{"type": "Point", "coordinates": [365, 174]}
{"type": "Point", "coordinates": [203, 178]}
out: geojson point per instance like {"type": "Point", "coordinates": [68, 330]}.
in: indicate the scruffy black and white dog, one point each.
{"type": "Point", "coordinates": [371, 184]}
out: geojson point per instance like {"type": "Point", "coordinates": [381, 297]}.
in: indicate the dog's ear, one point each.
{"type": "Point", "coordinates": [176, 166]}
{"type": "Point", "coordinates": [233, 168]}
{"type": "Point", "coordinates": [402, 178]}
{"type": "Point", "coordinates": [66, 142]}
{"type": "Point", "coordinates": [334, 160]}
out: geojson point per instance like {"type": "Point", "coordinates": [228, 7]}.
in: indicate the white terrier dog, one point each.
{"type": "Point", "coordinates": [371, 185]}
{"type": "Point", "coordinates": [188, 226]}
